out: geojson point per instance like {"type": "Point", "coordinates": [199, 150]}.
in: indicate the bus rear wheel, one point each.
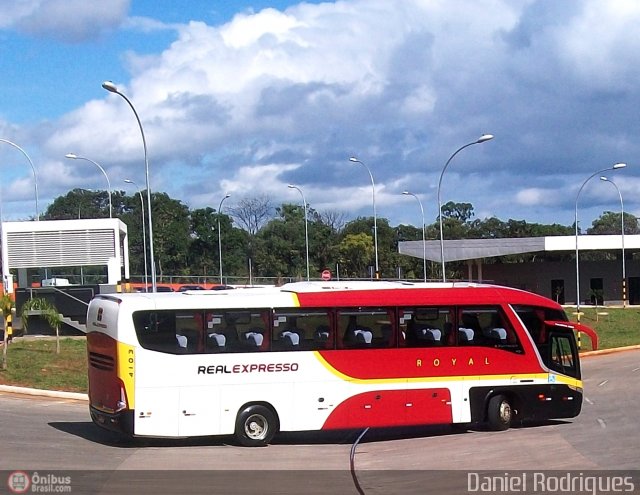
{"type": "Point", "coordinates": [256, 426]}
{"type": "Point", "coordinates": [500, 413]}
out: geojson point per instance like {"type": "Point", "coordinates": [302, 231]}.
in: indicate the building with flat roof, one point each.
{"type": "Point", "coordinates": [30, 247]}
{"type": "Point", "coordinates": [554, 279]}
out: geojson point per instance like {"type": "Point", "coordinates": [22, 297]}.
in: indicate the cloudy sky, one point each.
{"type": "Point", "coordinates": [246, 97]}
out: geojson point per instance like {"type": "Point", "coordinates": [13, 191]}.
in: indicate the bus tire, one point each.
{"type": "Point", "coordinates": [500, 413]}
{"type": "Point", "coordinates": [256, 426]}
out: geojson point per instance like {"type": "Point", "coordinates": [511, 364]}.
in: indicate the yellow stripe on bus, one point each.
{"type": "Point", "coordinates": [426, 379]}
{"type": "Point", "coordinates": [126, 370]}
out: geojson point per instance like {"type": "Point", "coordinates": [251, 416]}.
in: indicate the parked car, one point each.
{"type": "Point", "coordinates": [183, 288]}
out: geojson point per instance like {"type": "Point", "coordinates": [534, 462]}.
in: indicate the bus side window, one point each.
{"type": "Point", "coordinates": [487, 327]}
{"type": "Point", "coordinates": [253, 331]}
{"type": "Point", "coordinates": [157, 331]}
{"type": "Point", "coordinates": [295, 330]}
{"type": "Point", "coordinates": [425, 326]}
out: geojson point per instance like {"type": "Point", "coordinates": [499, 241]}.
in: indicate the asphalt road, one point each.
{"type": "Point", "coordinates": [56, 435]}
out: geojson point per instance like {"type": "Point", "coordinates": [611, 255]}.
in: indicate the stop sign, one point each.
{"type": "Point", "coordinates": [326, 275]}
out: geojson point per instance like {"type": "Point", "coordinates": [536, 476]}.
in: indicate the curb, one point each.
{"type": "Point", "coordinates": [46, 393]}
{"type": "Point", "coordinates": [602, 352]}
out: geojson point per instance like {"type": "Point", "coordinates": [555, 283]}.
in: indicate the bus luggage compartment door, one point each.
{"type": "Point", "coordinates": [156, 412]}
{"type": "Point", "coordinates": [428, 406]}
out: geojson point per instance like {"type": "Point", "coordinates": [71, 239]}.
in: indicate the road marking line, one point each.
{"type": "Point", "coordinates": [602, 423]}
{"type": "Point", "coordinates": [603, 383]}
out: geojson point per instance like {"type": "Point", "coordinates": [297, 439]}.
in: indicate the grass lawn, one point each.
{"type": "Point", "coordinates": [619, 328]}
{"type": "Point", "coordinates": [34, 362]}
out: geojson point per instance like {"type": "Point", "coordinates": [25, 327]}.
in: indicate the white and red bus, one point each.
{"type": "Point", "coordinates": [329, 355]}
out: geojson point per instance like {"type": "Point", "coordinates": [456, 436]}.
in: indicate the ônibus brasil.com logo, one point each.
{"type": "Point", "coordinates": [21, 482]}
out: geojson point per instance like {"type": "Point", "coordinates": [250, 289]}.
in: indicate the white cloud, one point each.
{"type": "Point", "coordinates": [277, 97]}
{"type": "Point", "coordinates": [65, 20]}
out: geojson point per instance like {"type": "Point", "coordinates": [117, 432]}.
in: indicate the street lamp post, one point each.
{"type": "Point", "coordinates": [112, 88]}
{"type": "Point", "coordinates": [306, 230]}
{"type": "Point", "coordinates": [624, 270]}
{"type": "Point", "coordinates": [424, 241]}
{"type": "Point", "coordinates": [614, 167]}
{"type": "Point", "coordinates": [33, 169]}
{"type": "Point", "coordinates": [144, 234]}
{"type": "Point", "coordinates": [481, 139]}
{"type": "Point", "coordinates": [219, 235]}
{"type": "Point", "coordinates": [73, 156]}
{"type": "Point", "coordinates": [375, 220]}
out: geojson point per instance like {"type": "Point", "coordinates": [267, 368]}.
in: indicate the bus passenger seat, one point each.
{"type": "Point", "coordinates": [216, 341]}
{"type": "Point", "coordinates": [182, 341]}
{"type": "Point", "coordinates": [499, 335]}
{"type": "Point", "coordinates": [465, 335]}
{"type": "Point", "coordinates": [290, 339]}
{"type": "Point", "coordinates": [363, 336]}
{"type": "Point", "coordinates": [321, 334]}
{"type": "Point", "coordinates": [429, 334]}
{"type": "Point", "coordinates": [253, 338]}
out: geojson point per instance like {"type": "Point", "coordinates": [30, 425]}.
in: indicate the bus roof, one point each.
{"type": "Point", "coordinates": [338, 293]}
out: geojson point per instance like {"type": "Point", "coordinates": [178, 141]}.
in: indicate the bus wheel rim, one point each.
{"type": "Point", "coordinates": [256, 427]}
{"type": "Point", "coordinates": [505, 412]}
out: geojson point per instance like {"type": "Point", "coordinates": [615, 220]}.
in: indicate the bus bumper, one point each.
{"type": "Point", "coordinates": [533, 402]}
{"type": "Point", "coordinates": [121, 422]}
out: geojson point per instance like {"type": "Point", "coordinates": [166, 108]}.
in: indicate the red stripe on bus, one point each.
{"type": "Point", "coordinates": [384, 408]}
{"type": "Point", "coordinates": [429, 362]}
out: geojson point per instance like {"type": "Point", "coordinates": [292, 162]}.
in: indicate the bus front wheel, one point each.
{"type": "Point", "coordinates": [256, 426]}
{"type": "Point", "coordinates": [500, 413]}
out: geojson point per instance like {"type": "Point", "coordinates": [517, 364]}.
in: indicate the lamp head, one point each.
{"type": "Point", "coordinates": [354, 159]}
{"type": "Point", "coordinates": [619, 165]}
{"type": "Point", "coordinates": [128, 181]}
{"type": "Point", "coordinates": [406, 193]}
{"type": "Point", "coordinates": [73, 156]}
{"type": "Point", "coordinates": [227, 196]}
{"type": "Point", "coordinates": [109, 86]}
{"type": "Point", "coordinates": [604, 178]}
{"type": "Point", "coordinates": [485, 137]}
{"type": "Point", "coordinates": [291, 186]}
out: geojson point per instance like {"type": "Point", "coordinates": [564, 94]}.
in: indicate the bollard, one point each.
{"type": "Point", "coordinates": [9, 328]}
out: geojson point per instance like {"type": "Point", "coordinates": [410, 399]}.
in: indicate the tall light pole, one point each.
{"type": "Point", "coordinates": [73, 156]}
{"type": "Point", "coordinates": [144, 234]}
{"type": "Point", "coordinates": [306, 230]}
{"type": "Point", "coordinates": [375, 220]}
{"type": "Point", "coordinates": [219, 234]}
{"type": "Point", "coordinates": [33, 169]}
{"type": "Point", "coordinates": [624, 270]}
{"type": "Point", "coordinates": [614, 167]}
{"type": "Point", "coordinates": [482, 139]}
{"type": "Point", "coordinates": [424, 241]}
{"type": "Point", "coordinates": [112, 88]}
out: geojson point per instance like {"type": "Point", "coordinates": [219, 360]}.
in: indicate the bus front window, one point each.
{"type": "Point", "coordinates": [563, 354]}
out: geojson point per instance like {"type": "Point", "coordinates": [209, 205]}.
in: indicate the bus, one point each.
{"type": "Point", "coordinates": [311, 356]}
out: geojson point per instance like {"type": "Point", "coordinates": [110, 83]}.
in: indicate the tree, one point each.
{"type": "Point", "coordinates": [45, 310]}
{"type": "Point", "coordinates": [252, 213]}
{"type": "Point", "coordinates": [85, 203]}
{"type": "Point", "coordinates": [282, 244]}
{"type": "Point", "coordinates": [335, 220]}
{"type": "Point", "coordinates": [171, 229]}
{"type": "Point", "coordinates": [611, 223]}
{"type": "Point", "coordinates": [356, 251]}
